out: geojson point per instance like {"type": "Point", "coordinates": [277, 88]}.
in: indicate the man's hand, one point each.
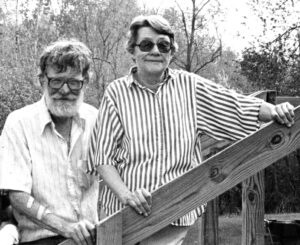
{"type": "Point", "coordinates": [82, 233]}
{"type": "Point", "coordinates": [140, 201]}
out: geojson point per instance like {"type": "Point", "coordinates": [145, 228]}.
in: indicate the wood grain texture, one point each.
{"type": "Point", "coordinates": [110, 232]}
{"type": "Point", "coordinates": [253, 196]}
{"type": "Point", "coordinates": [210, 179]}
{"type": "Point", "coordinates": [295, 101]}
{"type": "Point", "coordinates": [67, 242]}
{"type": "Point", "coordinates": [210, 224]}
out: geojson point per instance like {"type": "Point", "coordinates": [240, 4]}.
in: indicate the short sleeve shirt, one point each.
{"type": "Point", "coordinates": [34, 158]}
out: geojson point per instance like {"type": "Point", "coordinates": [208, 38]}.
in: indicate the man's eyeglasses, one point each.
{"type": "Point", "coordinates": [73, 84]}
{"type": "Point", "coordinates": [147, 45]}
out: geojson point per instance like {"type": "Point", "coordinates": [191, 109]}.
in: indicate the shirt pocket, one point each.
{"type": "Point", "coordinates": [83, 177]}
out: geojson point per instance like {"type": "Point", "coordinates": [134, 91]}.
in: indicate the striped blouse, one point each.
{"type": "Point", "coordinates": [152, 138]}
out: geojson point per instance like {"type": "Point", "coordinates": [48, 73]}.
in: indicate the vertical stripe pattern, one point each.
{"type": "Point", "coordinates": [152, 138]}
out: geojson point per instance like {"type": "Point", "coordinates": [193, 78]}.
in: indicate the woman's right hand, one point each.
{"type": "Point", "coordinates": [140, 200]}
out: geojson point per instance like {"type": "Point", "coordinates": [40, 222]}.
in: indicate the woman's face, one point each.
{"type": "Point", "coordinates": [154, 61]}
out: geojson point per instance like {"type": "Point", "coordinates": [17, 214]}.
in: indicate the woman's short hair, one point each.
{"type": "Point", "coordinates": [157, 23]}
{"type": "Point", "coordinates": [66, 53]}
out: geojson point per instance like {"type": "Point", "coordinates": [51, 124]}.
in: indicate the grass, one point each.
{"type": "Point", "coordinates": [230, 228]}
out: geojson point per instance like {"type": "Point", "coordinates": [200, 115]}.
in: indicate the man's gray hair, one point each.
{"type": "Point", "coordinates": [66, 53]}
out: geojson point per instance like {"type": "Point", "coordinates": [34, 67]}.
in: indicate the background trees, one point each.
{"type": "Point", "coordinates": [271, 62]}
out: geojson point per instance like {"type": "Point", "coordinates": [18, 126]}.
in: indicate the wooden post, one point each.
{"type": "Point", "coordinates": [253, 196]}
{"type": "Point", "coordinates": [210, 224]}
{"type": "Point", "coordinates": [110, 232]}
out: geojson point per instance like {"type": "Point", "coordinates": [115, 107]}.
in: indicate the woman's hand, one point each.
{"type": "Point", "coordinates": [140, 200]}
{"type": "Point", "coordinates": [284, 114]}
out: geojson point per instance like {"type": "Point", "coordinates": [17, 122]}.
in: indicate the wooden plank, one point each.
{"type": "Point", "coordinates": [295, 101]}
{"type": "Point", "coordinates": [253, 190]}
{"type": "Point", "coordinates": [110, 232]}
{"type": "Point", "coordinates": [210, 224]}
{"type": "Point", "coordinates": [210, 179]}
{"type": "Point", "coordinates": [67, 242]}
{"type": "Point", "coordinates": [253, 196]}
{"type": "Point", "coordinates": [209, 235]}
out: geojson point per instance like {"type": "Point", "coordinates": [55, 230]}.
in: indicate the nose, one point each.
{"type": "Point", "coordinates": [64, 89]}
{"type": "Point", "coordinates": [155, 49]}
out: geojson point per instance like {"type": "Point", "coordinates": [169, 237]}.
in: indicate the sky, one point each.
{"type": "Point", "coordinates": [234, 34]}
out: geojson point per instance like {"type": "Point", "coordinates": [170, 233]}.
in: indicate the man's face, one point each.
{"type": "Point", "coordinates": [63, 101]}
{"type": "Point", "coordinates": [154, 61]}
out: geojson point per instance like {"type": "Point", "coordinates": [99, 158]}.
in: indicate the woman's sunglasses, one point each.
{"type": "Point", "coordinates": [147, 45]}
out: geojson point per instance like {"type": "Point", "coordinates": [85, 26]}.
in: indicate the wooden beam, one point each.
{"type": "Point", "coordinates": [210, 179]}
{"type": "Point", "coordinates": [253, 196]}
{"type": "Point", "coordinates": [295, 101]}
{"type": "Point", "coordinates": [209, 221]}
{"type": "Point", "coordinates": [110, 232]}
{"type": "Point", "coordinates": [210, 224]}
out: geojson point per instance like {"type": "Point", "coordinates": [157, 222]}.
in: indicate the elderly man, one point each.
{"type": "Point", "coordinates": [149, 125]}
{"type": "Point", "coordinates": [43, 153]}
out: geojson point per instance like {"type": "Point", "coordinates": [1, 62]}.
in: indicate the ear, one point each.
{"type": "Point", "coordinates": [42, 80]}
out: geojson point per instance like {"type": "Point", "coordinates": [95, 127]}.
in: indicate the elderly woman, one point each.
{"type": "Point", "coordinates": [149, 124]}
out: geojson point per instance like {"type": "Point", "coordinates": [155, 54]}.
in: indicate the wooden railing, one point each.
{"type": "Point", "coordinates": [203, 183]}
{"type": "Point", "coordinates": [252, 196]}
{"type": "Point", "coordinates": [253, 193]}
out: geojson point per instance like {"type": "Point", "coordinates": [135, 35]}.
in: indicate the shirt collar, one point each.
{"type": "Point", "coordinates": [130, 78]}
{"type": "Point", "coordinates": [45, 117]}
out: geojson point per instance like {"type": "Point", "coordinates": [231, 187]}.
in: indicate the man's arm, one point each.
{"type": "Point", "coordinates": [283, 113]}
{"type": "Point", "coordinates": [82, 232]}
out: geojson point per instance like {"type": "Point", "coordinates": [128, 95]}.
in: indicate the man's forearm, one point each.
{"type": "Point", "coordinates": [27, 205]}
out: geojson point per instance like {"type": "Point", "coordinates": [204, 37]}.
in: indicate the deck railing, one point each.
{"type": "Point", "coordinates": [203, 183]}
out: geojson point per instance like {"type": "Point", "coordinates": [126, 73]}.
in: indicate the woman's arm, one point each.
{"type": "Point", "coordinates": [140, 200]}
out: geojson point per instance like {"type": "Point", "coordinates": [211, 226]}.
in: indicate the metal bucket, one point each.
{"type": "Point", "coordinates": [282, 232]}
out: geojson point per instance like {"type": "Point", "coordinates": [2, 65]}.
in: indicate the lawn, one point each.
{"type": "Point", "coordinates": [230, 228]}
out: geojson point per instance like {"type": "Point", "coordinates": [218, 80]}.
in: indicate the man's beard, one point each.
{"type": "Point", "coordinates": [63, 108]}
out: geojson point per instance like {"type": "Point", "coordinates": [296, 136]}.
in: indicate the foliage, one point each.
{"type": "Point", "coordinates": [275, 62]}
{"type": "Point", "coordinates": [282, 185]}
{"type": "Point", "coordinates": [226, 70]}
{"type": "Point", "coordinates": [26, 29]}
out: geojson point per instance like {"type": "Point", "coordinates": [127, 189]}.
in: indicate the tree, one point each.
{"type": "Point", "coordinates": [226, 70]}
{"type": "Point", "coordinates": [29, 26]}
{"type": "Point", "coordinates": [273, 61]}
{"type": "Point", "coordinates": [197, 47]}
